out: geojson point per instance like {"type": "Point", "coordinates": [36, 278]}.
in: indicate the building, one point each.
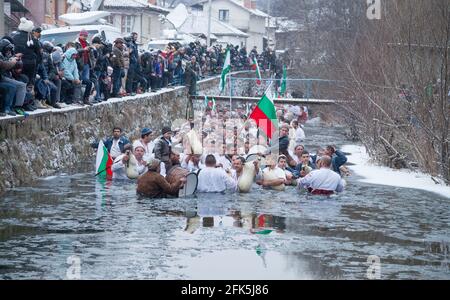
{"type": "Point", "coordinates": [139, 16]}
{"type": "Point", "coordinates": [241, 14]}
{"type": "Point", "coordinates": [13, 10]}
{"type": "Point", "coordinates": [45, 13]}
{"type": "Point", "coordinates": [222, 33]}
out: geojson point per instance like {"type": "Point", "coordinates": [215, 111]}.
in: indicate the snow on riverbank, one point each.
{"type": "Point", "coordinates": [386, 176]}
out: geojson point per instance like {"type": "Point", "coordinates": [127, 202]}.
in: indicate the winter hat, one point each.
{"type": "Point", "coordinates": [56, 57]}
{"type": "Point", "coordinates": [166, 130]}
{"type": "Point", "coordinates": [26, 25]}
{"type": "Point", "coordinates": [83, 32]}
{"type": "Point", "coordinates": [146, 131]}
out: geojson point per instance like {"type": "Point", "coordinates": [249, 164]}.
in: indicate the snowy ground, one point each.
{"type": "Point", "coordinates": [385, 176]}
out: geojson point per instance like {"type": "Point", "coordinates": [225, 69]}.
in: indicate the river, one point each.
{"type": "Point", "coordinates": [104, 231]}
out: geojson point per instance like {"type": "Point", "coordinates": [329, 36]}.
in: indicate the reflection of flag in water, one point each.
{"type": "Point", "coordinates": [102, 195]}
{"type": "Point", "coordinates": [261, 251]}
{"type": "Point", "coordinates": [104, 162]}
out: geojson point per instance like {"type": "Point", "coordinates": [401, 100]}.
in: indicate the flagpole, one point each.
{"type": "Point", "coordinates": [231, 97]}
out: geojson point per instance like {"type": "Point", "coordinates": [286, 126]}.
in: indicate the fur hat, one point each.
{"type": "Point", "coordinates": [26, 25]}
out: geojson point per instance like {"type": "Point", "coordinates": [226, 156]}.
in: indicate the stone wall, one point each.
{"type": "Point", "coordinates": [49, 142]}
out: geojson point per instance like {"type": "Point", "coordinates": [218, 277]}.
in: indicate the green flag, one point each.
{"type": "Point", "coordinates": [225, 71]}
{"type": "Point", "coordinates": [284, 82]}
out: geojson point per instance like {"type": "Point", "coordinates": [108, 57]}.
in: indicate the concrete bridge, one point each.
{"type": "Point", "coordinates": [293, 101]}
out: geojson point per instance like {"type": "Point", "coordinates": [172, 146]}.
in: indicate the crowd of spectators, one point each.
{"type": "Point", "coordinates": [40, 75]}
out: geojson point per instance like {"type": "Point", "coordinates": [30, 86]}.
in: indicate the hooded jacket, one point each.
{"type": "Point", "coordinates": [70, 65]}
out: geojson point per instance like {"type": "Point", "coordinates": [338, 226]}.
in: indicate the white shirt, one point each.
{"type": "Point", "coordinates": [300, 135]}
{"type": "Point", "coordinates": [323, 179]}
{"type": "Point", "coordinates": [227, 165]}
{"type": "Point", "coordinates": [279, 173]}
{"type": "Point", "coordinates": [215, 180]}
{"type": "Point", "coordinates": [120, 170]}
{"type": "Point", "coordinates": [115, 149]}
{"type": "Point", "coordinates": [294, 157]}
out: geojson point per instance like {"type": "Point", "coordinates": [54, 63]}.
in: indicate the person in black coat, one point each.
{"type": "Point", "coordinates": [29, 46]}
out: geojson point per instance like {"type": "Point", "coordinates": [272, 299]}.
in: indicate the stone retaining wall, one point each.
{"type": "Point", "coordinates": [49, 142]}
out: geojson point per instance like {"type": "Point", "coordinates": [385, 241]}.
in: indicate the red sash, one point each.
{"type": "Point", "coordinates": [320, 192]}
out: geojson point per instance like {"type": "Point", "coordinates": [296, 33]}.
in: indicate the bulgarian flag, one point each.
{"type": "Point", "coordinates": [225, 71]}
{"type": "Point", "coordinates": [104, 162]}
{"type": "Point", "coordinates": [265, 116]}
{"type": "Point", "coordinates": [210, 103]}
{"type": "Point", "coordinates": [255, 67]}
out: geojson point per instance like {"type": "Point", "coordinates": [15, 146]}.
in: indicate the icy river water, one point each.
{"type": "Point", "coordinates": [112, 234]}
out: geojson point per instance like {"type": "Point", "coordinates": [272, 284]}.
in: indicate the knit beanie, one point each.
{"type": "Point", "coordinates": [26, 25]}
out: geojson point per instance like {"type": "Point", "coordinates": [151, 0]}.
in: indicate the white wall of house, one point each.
{"type": "Point", "coordinates": [242, 19]}
{"type": "Point", "coordinates": [257, 32]}
{"type": "Point", "coordinates": [150, 27]}
{"type": "Point", "coordinates": [235, 40]}
{"type": "Point", "coordinates": [238, 17]}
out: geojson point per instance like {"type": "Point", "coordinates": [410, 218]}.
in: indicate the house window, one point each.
{"type": "Point", "coordinates": [224, 15]}
{"type": "Point", "coordinates": [127, 24]}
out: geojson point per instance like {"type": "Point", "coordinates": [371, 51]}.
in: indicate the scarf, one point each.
{"type": "Point", "coordinates": [85, 53]}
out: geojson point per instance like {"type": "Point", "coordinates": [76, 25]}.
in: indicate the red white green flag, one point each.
{"type": "Point", "coordinates": [104, 162]}
{"type": "Point", "coordinates": [265, 117]}
{"type": "Point", "coordinates": [255, 67]}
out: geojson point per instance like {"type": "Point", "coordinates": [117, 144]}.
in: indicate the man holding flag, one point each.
{"type": "Point", "coordinates": [255, 67]}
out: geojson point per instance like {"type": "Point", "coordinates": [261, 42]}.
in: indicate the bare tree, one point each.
{"type": "Point", "coordinates": [396, 72]}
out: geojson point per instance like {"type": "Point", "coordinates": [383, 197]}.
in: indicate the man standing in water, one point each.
{"type": "Point", "coordinates": [116, 143]}
{"type": "Point", "coordinates": [153, 185]}
{"type": "Point", "coordinates": [213, 179]}
{"type": "Point", "coordinates": [324, 181]}
{"type": "Point", "coordinates": [338, 158]}
{"type": "Point", "coordinates": [146, 143]}
{"type": "Point", "coordinates": [163, 147]}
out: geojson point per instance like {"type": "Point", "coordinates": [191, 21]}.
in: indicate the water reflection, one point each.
{"type": "Point", "coordinates": [261, 235]}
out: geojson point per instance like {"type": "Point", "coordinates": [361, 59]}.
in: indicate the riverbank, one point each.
{"type": "Point", "coordinates": [374, 174]}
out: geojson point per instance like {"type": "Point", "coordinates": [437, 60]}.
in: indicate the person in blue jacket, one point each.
{"type": "Point", "coordinates": [338, 158]}
{"type": "Point", "coordinates": [115, 144]}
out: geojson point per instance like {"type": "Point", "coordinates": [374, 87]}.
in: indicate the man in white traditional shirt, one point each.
{"type": "Point", "coordinates": [299, 133]}
{"type": "Point", "coordinates": [119, 167]}
{"type": "Point", "coordinates": [146, 143]}
{"type": "Point", "coordinates": [274, 169]}
{"type": "Point", "coordinates": [238, 169]}
{"type": "Point", "coordinates": [213, 179]}
{"type": "Point", "coordinates": [323, 181]}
